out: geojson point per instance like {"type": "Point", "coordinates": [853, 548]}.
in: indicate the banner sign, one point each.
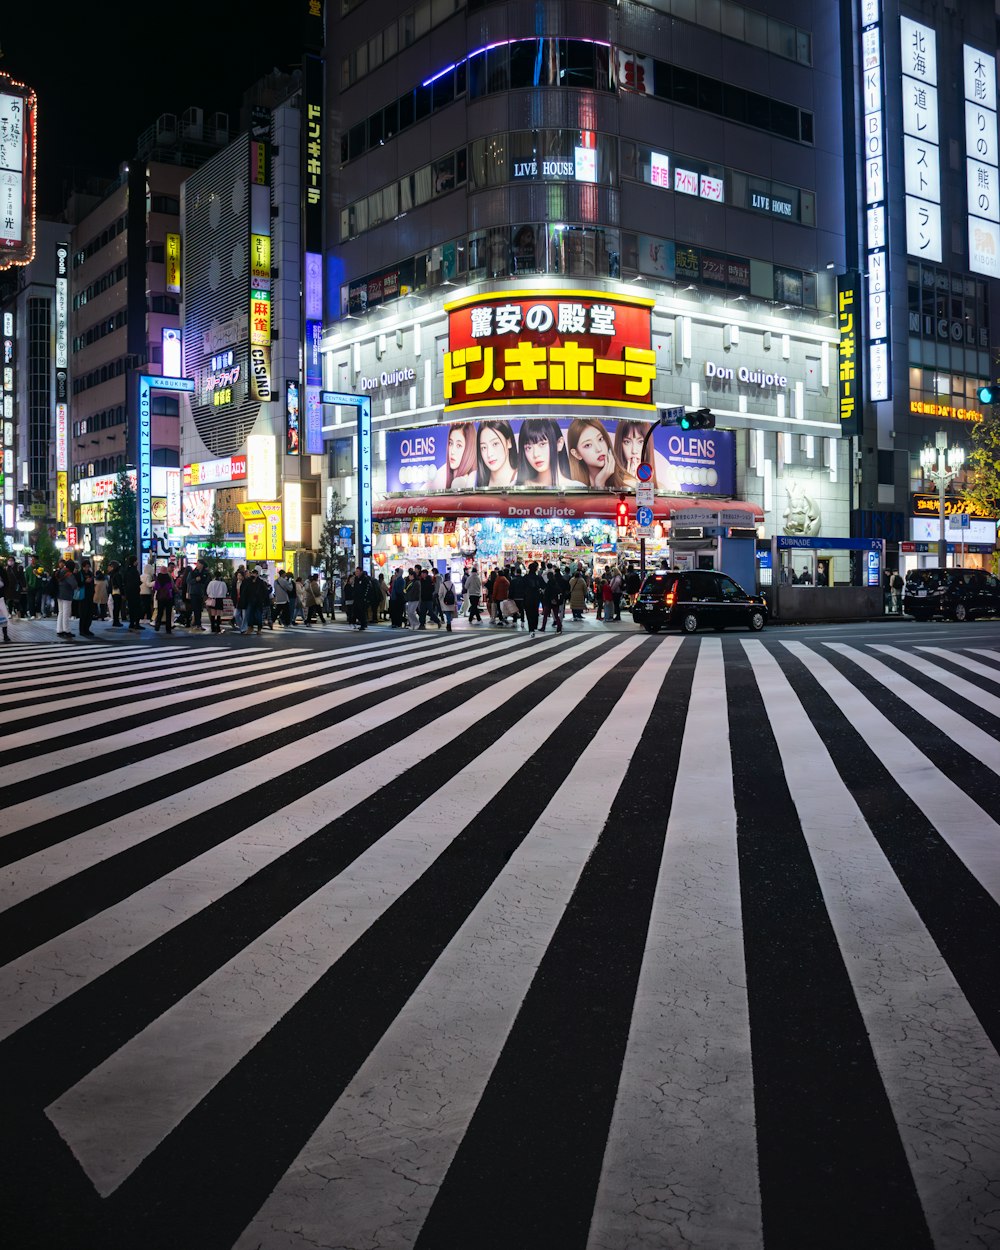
{"type": "Point", "coordinates": [542, 453]}
{"type": "Point", "coordinates": [568, 347]}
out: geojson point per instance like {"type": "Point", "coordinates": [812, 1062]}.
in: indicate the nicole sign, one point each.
{"type": "Point", "coordinates": [573, 347]}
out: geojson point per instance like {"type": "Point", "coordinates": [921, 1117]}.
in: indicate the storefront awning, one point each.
{"type": "Point", "coordinates": [570, 505]}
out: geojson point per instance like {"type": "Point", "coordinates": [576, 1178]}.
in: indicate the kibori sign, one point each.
{"type": "Point", "coordinates": [749, 377]}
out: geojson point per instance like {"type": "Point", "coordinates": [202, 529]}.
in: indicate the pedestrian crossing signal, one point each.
{"type": "Point", "coordinates": [989, 394]}
{"type": "Point", "coordinates": [622, 513]}
{"type": "Point", "coordinates": [703, 419]}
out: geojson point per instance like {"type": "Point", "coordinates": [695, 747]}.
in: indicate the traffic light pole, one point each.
{"type": "Point", "coordinates": [700, 420]}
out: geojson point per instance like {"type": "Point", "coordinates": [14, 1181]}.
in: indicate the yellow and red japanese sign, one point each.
{"type": "Point", "coordinates": [554, 347]}
{"type": "Point", "coordinates": [848, 350]}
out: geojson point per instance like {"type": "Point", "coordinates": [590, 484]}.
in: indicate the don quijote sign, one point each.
{"type": "Point", "coordinates": [387, 379]}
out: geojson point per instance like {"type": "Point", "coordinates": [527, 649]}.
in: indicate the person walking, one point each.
{"type": "Point", "coordinates": [501, 592]}
{"type": "Point", "coordinates": [197, 584]}
{"type": "Point", "coordinates": [314, 598]}
{"type": "Point", "coordinates": [67, 585]}
{"type": "Point", "coordinates": [413, 600]}
{"type": "Point", "coordinates": [447, 600]}
{"type": "Point", "coordinates": [397, 600]}
{"type": "Point", "coordinates": [215, 601]}
{"type": "Point", "coordinates": [117, 593]}
{"type": "Point", "coordinates": [554, 594]}
{"type": "Point", "coordinates": [347, 598]}
{"type": "Point", "coordinates": [254, 600]}
{"type": "Point", "coordinates": [532, 597]}
{"type": "Point", "coordinates": [86, 599]}
{"type": "Point", "coordinates": [383, 594]}
{"type": "Point", "coordinates": [132, 586]}
{"type": "Point", "coordinates": [281, 588]}
{"type": "Point", "coordinates": [163, 596]}
{"type": "Point", "coordinates": [365, 596]}
{"type": "Point", "coordinates": [146, 590]}
{"type": "Point", "coordinates": [298, 604]}
{"type": "Point", "coordinates": [101, 595]}
{"type": "Point", "coordinates": [617, 589]}
{"type": "Point", "coordinates": [517, 594]}
{"type": "Point", "coordinates": [577, 595]}
{"type": "Point", "coordinates": [4, 615]}
{"type": "Point", "coordinates": [895, 591]}
{"type": "Point", "coordinates": [235, 593]}
{"type": "Point", "coordinates": [474, 591]}
{"type": "Point", "coordinates": [427, 596]}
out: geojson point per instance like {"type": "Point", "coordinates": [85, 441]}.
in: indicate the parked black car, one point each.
{"type": "Point", "coordinates": [690, 600]}
{"type": "Point", "coordinates": [958, 593]}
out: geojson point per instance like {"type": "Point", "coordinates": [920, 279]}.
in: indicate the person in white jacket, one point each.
{"type": "Point", "coordinates": [447, 599]}
{"type": "Point", "coordinates": [215, 597]}
{"type": "Point", "coordinates": [146, 591]}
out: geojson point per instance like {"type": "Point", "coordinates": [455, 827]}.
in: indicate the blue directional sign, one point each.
{"type": "Point", "coordinates": [644, 517]}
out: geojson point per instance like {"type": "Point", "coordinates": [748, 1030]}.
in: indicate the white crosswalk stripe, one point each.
{"type": "Point", "coordinates": [326, 944]}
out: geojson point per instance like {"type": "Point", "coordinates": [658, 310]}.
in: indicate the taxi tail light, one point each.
{"type": "Point", "coordinates": [670, 598]}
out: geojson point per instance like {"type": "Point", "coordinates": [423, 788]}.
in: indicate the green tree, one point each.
{"type": "Point", "coordinates": [46, 552]}
{"type": "Point", "coordinates": [331, 554]}
{"type": "Point", "coordinates": [215, 540]}
{"type": "Point", "coordinates": [120, 526]}
{"type": "Point", "coordinates": [982, 488]}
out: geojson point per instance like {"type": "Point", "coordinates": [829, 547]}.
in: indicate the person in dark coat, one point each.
{"type": "Point", "coordinates": [532, 590]}
{"type": "Point", "coordinates": [132, 585]}
{"type": "Point", "coordinates": [87, 602]}
{"type": "Point", "coordinates": [254, 596]}
{"type": "Point", "coordinates": [366, 593]}
{"type": "Point", "coordinates": [426, 596]}
{"type": "Point", "coordinates": [554, 594]}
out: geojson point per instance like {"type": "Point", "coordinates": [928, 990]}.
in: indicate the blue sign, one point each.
{"type": "Point", "coordinates": [546, 453]}
{"type": "Point", "coordinates": [345, 532]}
{"type": "Point", "coordinates": [644, 472]}
{"type": "Point", "coordinates": [644, 517]}
{"type": "Point", "coordinates": [786, 542]}
{"type": "Point", "coordinates": [144, 449]}
{"type": "Point", "coordinates": [874, 571]}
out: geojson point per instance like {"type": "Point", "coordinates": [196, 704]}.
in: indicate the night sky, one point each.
{"type": "Point", "coordinates": [104, 74]}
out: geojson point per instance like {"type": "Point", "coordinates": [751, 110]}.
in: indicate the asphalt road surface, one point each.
{"type": "Point", "coordinates": [481, 942]}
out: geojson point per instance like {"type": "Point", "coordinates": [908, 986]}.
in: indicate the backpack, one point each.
{"type": "Point", "coordinates": [449, 598]}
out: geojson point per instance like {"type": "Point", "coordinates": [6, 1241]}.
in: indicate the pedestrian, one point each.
{"type": "Point", "coordinates": [607, 600]}
{"type": "Point", "coordinates": [895, 591]}
{"type": "Point", "coordinates": [163, 596]}
{"type": "Point", "coordinates": [366, 595]}
{"type": "Point", "coordinates": [34, 588]}
{"type": "Point", "coordinates": [13, 584]}
{"type": "Point", "coordinates": [577, 594]}
{"type": "Point", "coordinates": [633, 583]}
{"type": "Point", "coordinates": [397, 599]}
{"type": "Point", "coordinates": [4, 615]}
{"type": "Point", "coordinates": [85, 600]}
{"type": "Point", "coordinates": [117, 593]}
{"type": "Point", "coordinates": [239, 577]}
{"type": "Point", "coordinates": [517, 594]}
{"type": "Point", "coordinates": [533, 587]}
{"type": "Point", "coordinates": [347, 598]}
{"type": "Point", "coordinates": [67, 585]}
{"type": "Point", "coordinates": [253, 602]}
{"type": "Point", "coordinates": [197, 585]}
{"type": "Point", "coordinates": [132, 585]}
{"type": "Point", "coordinates": [299, 604]}
{"type": "Point", "coordinates": [383, 595]}
{"type": "Point", "coordinates": [146, 590]}
{"type": "Point", "coordinates": [554, 593]}
{"type": "Point", "coordinates": [282, 586]}
{"type": "Point", "coordinates": [101, 595]}
{"type": "Point", "coordinates": [427, 596]}
{"type": "Point", "coordinates": [314, 593]}
{"type": "Point", "coordinates": [617, 589]}
{"type": "Point", "coordinates": [473, 591]}
{"type": "Point", "coordinates": [215, 599]}
{"type": "Point", "coordinates": [447, 600]}
{"type": "Point", "coordinates": [413, 600]}
{"type": "Point", "coordinates": [500, 593]}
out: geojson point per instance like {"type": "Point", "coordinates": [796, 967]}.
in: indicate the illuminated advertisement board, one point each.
{"type": "Point", "coordinates": [172, 256]}
{"type": "Point", "coordinates": [542, 453]}
{"type": "Point", "coordinates": [17, 173]}
{"type": "Point", "coordinates": [205, 472]}
{"type": "Point", "coordinates": [876, 193]}
{"type": "Point", "coordinates": [982, 177]}
{"type": "Point", "coordinates": [144, 451]}
{"type": "Point", "coordinates": [847, 353]}
{"type": "Point", "coordinates": [575, 347]}
{"type": "Point", "coordinates": [922, 159]}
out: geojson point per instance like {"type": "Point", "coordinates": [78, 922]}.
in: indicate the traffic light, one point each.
{"type": "Point", "coordinates": [989, 394]}
{"type": "Point", "coordinates": [622, 513]}
{"type": "Point", "coordinates": [703, 419]}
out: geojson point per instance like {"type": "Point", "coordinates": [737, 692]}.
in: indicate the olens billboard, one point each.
{"type": "Point", "coordinates": [545, 453]}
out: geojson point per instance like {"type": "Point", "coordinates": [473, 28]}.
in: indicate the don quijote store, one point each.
{"type": "Point", "coordinates": [509, 424]}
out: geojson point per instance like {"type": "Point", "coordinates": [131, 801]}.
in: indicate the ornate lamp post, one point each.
{"type": "Point", "coordinates": [941, 464]}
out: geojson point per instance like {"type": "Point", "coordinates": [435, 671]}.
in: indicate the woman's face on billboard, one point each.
{"type": "Point", "coordinates": [456, 447]}
{"type": "Point", "coordinates": [538, 454]}
{"type": "Point", "coordinates": [632, 441]}
{"type": "Point", "coordinates": [592, 449]}
{"type": "Point", "coordinates": [493, 449]}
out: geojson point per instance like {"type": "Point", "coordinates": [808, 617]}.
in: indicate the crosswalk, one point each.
{"type": "Point", "coordinates": [479, 941]}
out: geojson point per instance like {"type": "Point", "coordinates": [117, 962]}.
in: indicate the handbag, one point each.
{"type": "Point", "coordinates": [79, 594]}
{"type": "Point", "coordinates": [509, 608]}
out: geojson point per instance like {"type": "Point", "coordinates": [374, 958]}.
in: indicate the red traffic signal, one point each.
{"type": "Point", "coordinates": [622, 513]}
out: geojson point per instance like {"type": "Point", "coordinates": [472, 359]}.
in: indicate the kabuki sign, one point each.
{"type": "Point", "coordinates": [556, 347]}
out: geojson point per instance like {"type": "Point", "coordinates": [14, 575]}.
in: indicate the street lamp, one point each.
{"type": "Point", "coordinates": [941, 465]}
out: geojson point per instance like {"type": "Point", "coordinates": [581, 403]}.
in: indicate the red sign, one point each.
{"type": "Point", "coordinates": [561, 347]}
{"type": "Point", "coordinates": [534, 504]}
{"type": "Point", "coordinates": [71, 535]}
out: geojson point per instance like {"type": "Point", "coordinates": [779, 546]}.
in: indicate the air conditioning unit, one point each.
{"type": "Point", "coordinates": [193, 124]}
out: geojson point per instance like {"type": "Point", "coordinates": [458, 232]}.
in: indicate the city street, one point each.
{"type": "Point", "coordinates": [596, 941]}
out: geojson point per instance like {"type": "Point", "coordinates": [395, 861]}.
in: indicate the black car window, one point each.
{"type": "Point", "coordinates": [706, 586]}
{"type": "Point", "coordinates": [991, 582]}
{"type": "Point", "coordinates": [730, 589]}
{"type": "Point", "coordinates": [658, 584]}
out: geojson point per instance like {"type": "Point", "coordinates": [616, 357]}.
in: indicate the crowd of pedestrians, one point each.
{"type": "Point", "coordinates": [194, 598]}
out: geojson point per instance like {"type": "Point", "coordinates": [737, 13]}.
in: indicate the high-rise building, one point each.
{"type": "Point", "coordinates": [547, 224]}
{"type": "Point", "coordinates": [124, 294]}
{"type": "Point", "coordinates": [923, 222]}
